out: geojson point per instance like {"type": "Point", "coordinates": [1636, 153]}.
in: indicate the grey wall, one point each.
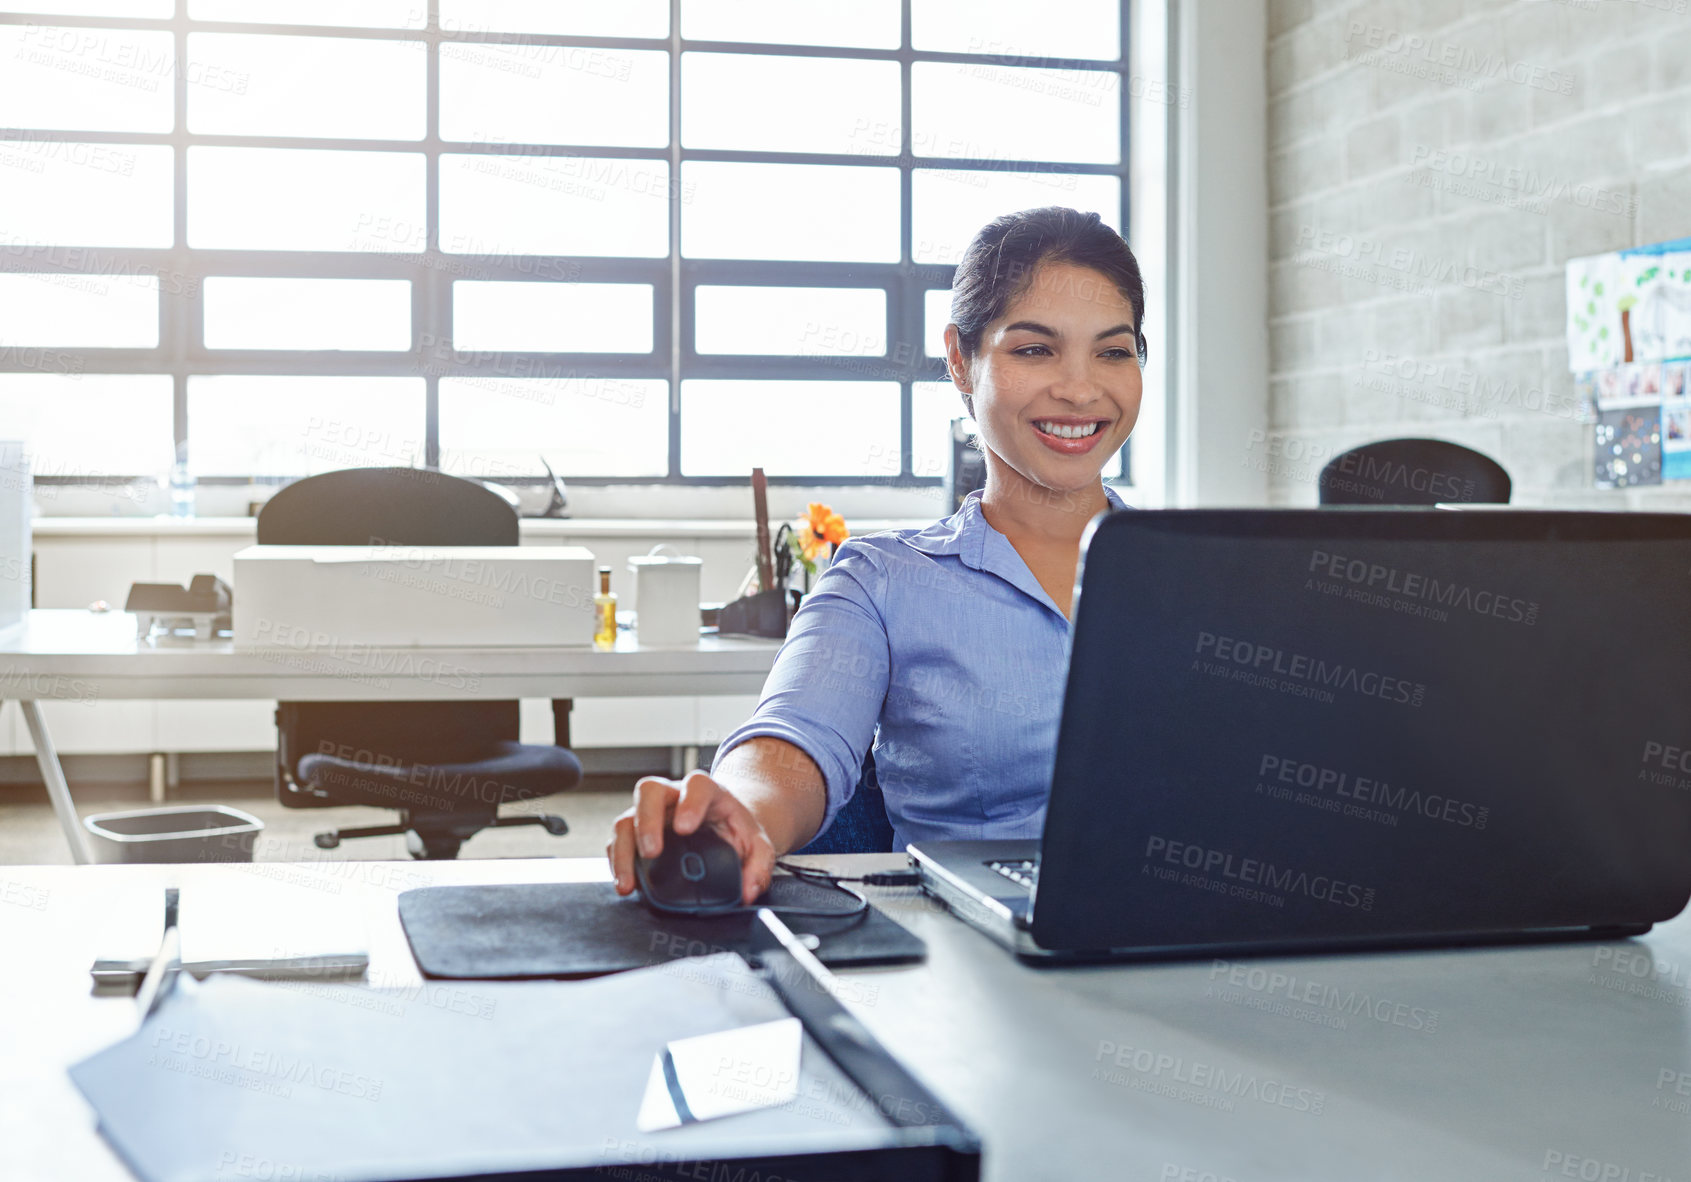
{"type": "Point", "coordinates": [1432, 164]}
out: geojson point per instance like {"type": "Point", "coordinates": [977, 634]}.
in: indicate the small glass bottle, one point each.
{"type": "Point", "coordinates": [605, 613]}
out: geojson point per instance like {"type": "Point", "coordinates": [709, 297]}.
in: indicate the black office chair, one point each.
{"type": "Point", "coordinates": [446, 766]}
{"type": "Point", "coordinates": [1413, 472]}
{"type": "Point", "coordinates": [861, 826]}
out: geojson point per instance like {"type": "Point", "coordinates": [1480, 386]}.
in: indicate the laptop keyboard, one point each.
{"type": "Point", "coordinates": [1023, 872]}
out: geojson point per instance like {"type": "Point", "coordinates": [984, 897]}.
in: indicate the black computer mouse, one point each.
{"type": "Point", "coordinates": [696, 874]}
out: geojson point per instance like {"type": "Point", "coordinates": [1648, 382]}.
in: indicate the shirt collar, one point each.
{"type": "Point", "coordinates": [968, 535]}
{"type": "Point", "coordinates": [964, 533]}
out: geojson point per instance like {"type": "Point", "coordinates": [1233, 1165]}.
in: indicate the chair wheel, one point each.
{"type": "Point", "coordinates": [326, 841]}
{"type": "Point", "coordinates": [556, 826]}
{"type": "Point", "coordinates": [431, 848]}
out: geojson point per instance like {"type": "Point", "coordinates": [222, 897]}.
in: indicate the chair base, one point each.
{"type": "Point", "coordinates": [433, 836]}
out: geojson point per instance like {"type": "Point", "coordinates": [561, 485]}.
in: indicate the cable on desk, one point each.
{"type": "Point", "coordinates": [889, 878]}
{"type": "Point", "coordinates": [858, 911]}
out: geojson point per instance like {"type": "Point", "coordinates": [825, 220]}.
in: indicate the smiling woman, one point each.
{"type": "Point", "coordinates": [944, 649]}
{"type": "Point", "coordinates": [1045, 344]}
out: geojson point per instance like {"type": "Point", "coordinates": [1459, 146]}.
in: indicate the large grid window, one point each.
{"type": "Point", "coordinates": [650, 240]}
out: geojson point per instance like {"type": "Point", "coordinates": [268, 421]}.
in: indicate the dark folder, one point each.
{"type": "Point", "coordinates": [531, 1079]}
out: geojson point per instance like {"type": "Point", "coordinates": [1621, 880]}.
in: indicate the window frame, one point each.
{"type": "Point", "coordinates": [182, 353]}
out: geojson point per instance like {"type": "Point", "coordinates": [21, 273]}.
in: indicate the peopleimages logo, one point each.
{"type": "Point", "coordinates": [1678, 1083]}
{"type": "Point", "coordinates": [1389, 579]}
{"type": "Point", "coordinates": [1450, 61]}
{"type": "Point", "coordinates": [254, 1068]}
{"type": "Point", "coordinates": [1204, 1083]}
{"type": "Point", "coordinates": [1265, 661]}
{"type": "Point", "coordinates": [1441, 383]}
{"type": "Point", "coordinates": [1375, 470]}
{"type": "Point", "coordinates": [1527, 182]}
{"type": "Point", "coordinates": [81, 266]}
{"type": "Point", "coordinates": [1590, 1169]}
{"type": "Point", "coordinates": [1258, 873]}
{"type": "Point", "coordinates": [1282, 775]}
{"type": "Point", "coordinates": [1668, 756]}
{"type": "Point", "coordinates": [1411, 264]}
{"type": "Point", "coordinates": [1639, 973]}
{"type": "Point", "coordinates": [1290, 988]}
{"type": "Point", "coordinates": [495, 577]}
{"type": "Point", "coordinates": [1665, 764]}
{"type": "Point", "coordinates": [357, 659]}
{"type": "Point", "coordinates": [231, 1164]}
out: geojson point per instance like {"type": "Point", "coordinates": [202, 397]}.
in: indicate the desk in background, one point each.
{"type": "Point", "coordinates": [1483, 1064]}
{"type": "Point", "coordinates": [83, 559]}
{"type": "Point", "coordinates": [79, 656]}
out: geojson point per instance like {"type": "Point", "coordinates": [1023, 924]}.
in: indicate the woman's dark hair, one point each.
{"type": "Point", "coordinates": [1001, 261]}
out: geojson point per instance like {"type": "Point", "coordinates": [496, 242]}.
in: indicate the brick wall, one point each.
{"type": "Point", "coordinates": [1432, 164]}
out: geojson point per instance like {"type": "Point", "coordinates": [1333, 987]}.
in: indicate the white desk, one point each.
{"type": "Point", "coordinates": [1538, 1055]}
{"type": "Point", "coordinates": [69, 655]}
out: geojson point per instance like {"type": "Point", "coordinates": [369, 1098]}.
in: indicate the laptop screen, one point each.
{"type": "Point", "coordinates": [1290, 725]}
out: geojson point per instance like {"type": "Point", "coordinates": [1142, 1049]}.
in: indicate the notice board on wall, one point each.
{"type": "Point", "coordinates": [1629, 347]}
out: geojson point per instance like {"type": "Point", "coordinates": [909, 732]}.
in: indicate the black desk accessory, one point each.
{"type": "Point", "coordinates": [698, 873]}
{"type": "Point", "coordinates": [965, 470]}
{"type": "Point", "coordinates": [763, 613]}
{"type": "Point", "coordinates": [766, 611]}
{"type": "Point", "coordinates": [559, 503]}
{"type": "Point", "coordinates": [811, 992]}
{"type": "Point", "coordinates": [760, 511]}
{"type": "Point", "coordinates": [538, 1080]}
{"type": "Point", "coordinates": [203, 605]}
{"type": "Point", "coordinates": [783, 553]}
{"type": "Point", "coordinates": [166, 966]}
{"type": "Point", "coordinates": [585, 929]}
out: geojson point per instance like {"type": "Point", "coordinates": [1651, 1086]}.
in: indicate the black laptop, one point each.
{"type": "Point", "coordinates": [1290, 730]}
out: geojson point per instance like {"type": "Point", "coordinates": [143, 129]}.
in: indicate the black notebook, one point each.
{"type": "Point", "coordinates": [585, 929]}
{"type": "Point", "coordinates": [538, 1079]}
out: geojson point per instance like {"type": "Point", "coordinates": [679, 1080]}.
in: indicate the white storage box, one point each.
{"type": "Point", "coordinates": [16, 490]}
{"type": "Point", "coordinates": [666, 590]}
{"type": "Point", "coordinates": [413, 596]}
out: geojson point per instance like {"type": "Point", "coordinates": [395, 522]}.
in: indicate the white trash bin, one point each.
{"type": "Point", "coordinates": [178, 833]}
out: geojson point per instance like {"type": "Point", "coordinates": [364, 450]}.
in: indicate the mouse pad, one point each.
{"type": "Point", "coordinates": [584, 929]}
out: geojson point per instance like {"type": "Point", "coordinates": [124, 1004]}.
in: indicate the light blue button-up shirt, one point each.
{"type": "Point", "coordinates": [941, 648]}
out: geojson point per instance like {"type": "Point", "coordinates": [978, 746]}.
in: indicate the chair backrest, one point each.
{"type": "Point", "coordinates": [401, 507]}
{"type": "Point", "coordinates": [387, 506]}
{"type": "Point", "coordinates": [861, 826]}
{"type": "Point", "coordinates": [1413, 472]}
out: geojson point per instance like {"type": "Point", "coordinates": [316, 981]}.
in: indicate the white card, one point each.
{"type": "Point", "coordinates": [714, 1075]}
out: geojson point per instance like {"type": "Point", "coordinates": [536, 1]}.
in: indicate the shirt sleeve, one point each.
{"type": "Point", "coordinates": [825, 692]}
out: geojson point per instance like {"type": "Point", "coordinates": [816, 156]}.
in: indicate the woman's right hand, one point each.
{"type": "Point", "coordinates": [686, 804]}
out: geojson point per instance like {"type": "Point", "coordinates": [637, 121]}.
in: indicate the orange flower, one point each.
{"type": "Point", "coordinates": [820, 526]}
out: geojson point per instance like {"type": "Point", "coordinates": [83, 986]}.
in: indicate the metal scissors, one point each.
{"type": "Point", "coordinates": [783, 554]}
